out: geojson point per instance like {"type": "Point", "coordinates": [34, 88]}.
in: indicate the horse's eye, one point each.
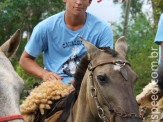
{"type": "Point", "coordinates": [102, 79]}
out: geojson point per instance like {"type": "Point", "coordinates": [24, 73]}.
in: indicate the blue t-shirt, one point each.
{"type": "Point", "coordinates": [159, 36]}
{"type": "Point", "coordinates": [62, 47]}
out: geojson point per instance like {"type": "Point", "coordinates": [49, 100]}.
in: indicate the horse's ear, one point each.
{"type": "Point", "coordinates": [10, 46]}
{"type": "Point", "coordinates": [91, 49]}
{"type": "Point", "coordinates": [121, 46]}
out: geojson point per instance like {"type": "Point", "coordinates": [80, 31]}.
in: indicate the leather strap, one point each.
{"type": "Point", "coordinates": [9, 118]}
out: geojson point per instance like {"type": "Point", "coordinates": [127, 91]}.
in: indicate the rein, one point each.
{"type": "Point", "coordinates": [115, 112]}
{"type": "Point", "coordinates": [117, 62]}
{"type": "Point", "coordinates": [9, 118]}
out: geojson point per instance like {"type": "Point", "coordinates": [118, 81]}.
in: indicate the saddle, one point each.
{"type": "Point", "coordinates": [45, 101]}
{"type": "Point", "coordinates": [53, 114]}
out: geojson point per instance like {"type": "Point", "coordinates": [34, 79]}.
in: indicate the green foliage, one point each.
{"type": "Point", "coordinates": [28, 80]}
{"type": "Point", "coordinates": [158, 9]}
{"type": "Point", "coordinates": [25, 14]}
{"type": "Point", "coordinates": [10, 15]}
{"type": "Point", "coordinates": [140, 38]}
{"type": "Point", "coordinates": [135, 7]}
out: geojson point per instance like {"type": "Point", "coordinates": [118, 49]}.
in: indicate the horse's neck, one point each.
{"type": "Point", "coordinates": [81, 109]}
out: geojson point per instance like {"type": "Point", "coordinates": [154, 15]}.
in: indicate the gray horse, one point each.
{"type": "Point", "coordinates": [11, 85]}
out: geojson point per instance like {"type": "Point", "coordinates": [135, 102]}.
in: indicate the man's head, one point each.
{"type": "Point", "coordinates": [77, 7]}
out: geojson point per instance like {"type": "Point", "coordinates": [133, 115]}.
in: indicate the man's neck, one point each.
{"type": "Point", "coordinates": [74, 22]}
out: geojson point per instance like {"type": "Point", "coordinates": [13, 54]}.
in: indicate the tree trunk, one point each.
{"type": "Point", "coordinates": [127, 12]}
{"type": "Point", "coordinates": [153, 9]}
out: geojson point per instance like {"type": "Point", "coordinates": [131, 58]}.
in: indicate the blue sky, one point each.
{"type": "Point", "coordinates": [110, 12]}
{"type": "Point", "coordinates": [105, 10]}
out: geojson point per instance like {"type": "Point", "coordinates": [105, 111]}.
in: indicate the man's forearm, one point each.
{"type": "Point", "coordinates": [32, 68]}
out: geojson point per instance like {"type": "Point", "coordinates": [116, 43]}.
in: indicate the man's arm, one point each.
{"type": "Point", "coordinates": [27, 62]}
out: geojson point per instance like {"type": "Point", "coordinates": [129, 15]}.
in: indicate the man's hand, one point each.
{"type": "Point", "coordinates": [72, 86]}
{"type": "Point", "coordinates": [49, 76]}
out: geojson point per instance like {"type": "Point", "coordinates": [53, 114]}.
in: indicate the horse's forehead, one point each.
{"type": "Point", "coordinates": [112, 55]}
{"type": "Point", "coordinates": [116, 67]}
{"type": "Point", "coordinates": [5, 64]}
{"type": "Point", "coordinates": [104, 57]}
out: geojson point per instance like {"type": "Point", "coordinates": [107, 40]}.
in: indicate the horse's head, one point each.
{"type": "Point", "coordinates": [11, 85]}
{"type": "Point", "coordinates": [113, 80]}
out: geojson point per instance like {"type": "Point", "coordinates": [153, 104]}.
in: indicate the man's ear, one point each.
{"type": "Point", "coordinates": [90, 1]}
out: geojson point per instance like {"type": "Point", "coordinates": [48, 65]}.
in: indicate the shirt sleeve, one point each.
{"type": "Point", "coordinates": [106, 38]}
{"type": "Point", "coordinates": [159, 34]}
{"type": "Point", "coordinates": [36, 45]}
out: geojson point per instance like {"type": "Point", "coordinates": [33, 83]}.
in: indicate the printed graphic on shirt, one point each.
{"type": "Point", "coordinates": [71, 64]}
{"type": "Point", "coordinates": [72, 43]}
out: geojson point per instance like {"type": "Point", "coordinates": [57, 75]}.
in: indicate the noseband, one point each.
{"type": "Point", "coordinates": [113, 111]}
{"type": "Point", "coordinates": [10, 118]}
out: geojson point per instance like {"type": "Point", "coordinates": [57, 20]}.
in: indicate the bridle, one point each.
{"type": "Point", "coordinates": [12, 117]}
{"type": "Point", "coordinates": [114, 111]}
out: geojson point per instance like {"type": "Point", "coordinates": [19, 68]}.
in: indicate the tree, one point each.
{"type": "Point", "coordinates": [127, 12]}
{"type": "Point", "coordinates": [157, 6]}
{"type": "Point", "coordinates": [135, 7]}
{"type": "Point", "coordinates": [25, 14]}
{"type": "Point", "coordinates": [131, 8]}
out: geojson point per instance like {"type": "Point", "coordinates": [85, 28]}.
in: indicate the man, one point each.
{"type": "Point", "coordinates": [57, 37]}
{"type": "Point", "coordinates": [159, 41]}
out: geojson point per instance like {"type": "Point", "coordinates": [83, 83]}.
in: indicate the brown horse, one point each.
{"type": "Point", "coordinates": [11, 84]}
{"type": "Point", "coordinates": [104, 88]}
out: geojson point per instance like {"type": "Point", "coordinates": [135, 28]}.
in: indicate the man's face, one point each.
{"type": "Point", "coordinates": [77, 7]}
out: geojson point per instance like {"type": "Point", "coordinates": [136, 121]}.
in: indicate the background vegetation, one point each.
{"type": "Point", "coordinates": [25, 14]}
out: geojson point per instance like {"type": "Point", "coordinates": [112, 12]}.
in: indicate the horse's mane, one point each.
{"type": "Point", "coordinates": [78, 77]}
{"type": "Point", "coordinates": [80, 72]}
{"type": "Point", "coordinates": [72, 97]}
